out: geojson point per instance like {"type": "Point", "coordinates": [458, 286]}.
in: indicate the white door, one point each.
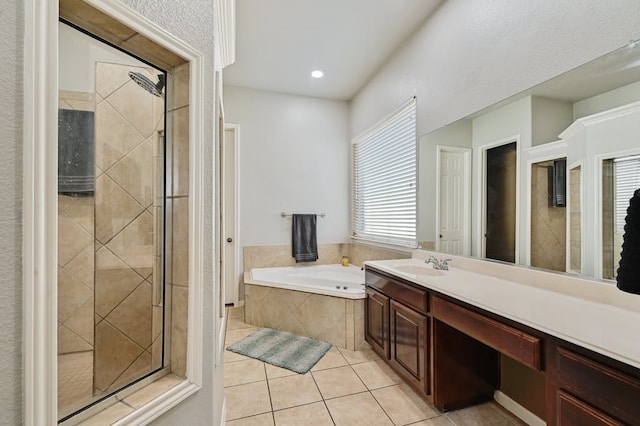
{"type": "Point", "coordinates": [230, 192]}
{"type": "Point", "coordinates": [453, 207]}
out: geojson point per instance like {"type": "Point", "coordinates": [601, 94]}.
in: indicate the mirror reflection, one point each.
{"type": "Point", "coordinates": [532, 180]}
{"type": "Point", "coordinates": [110, 220]}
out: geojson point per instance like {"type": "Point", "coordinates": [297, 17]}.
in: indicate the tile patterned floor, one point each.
{"type": "Point", "coordinates": [345, 388]}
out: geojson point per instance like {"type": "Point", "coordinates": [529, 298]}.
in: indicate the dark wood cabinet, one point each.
{"type": "Point", "coordinates": [377, 322]}
{"type": "Point", "coordinates": [450, 350]}
{"type": "Point", "coordinates": [397, 326]}
{"type": "Point", "coordinates": [574, 412]}
{"type": "Point", "coordinates": [590, 389]}
{"type": "Point", "coordinates": [409, 345]}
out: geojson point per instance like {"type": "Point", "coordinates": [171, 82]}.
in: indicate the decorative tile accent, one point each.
{"type": "Point", "coordinates": [134, 245]}
{"type": "Point", "coordinates": [134, 173]}
{"type": "Point", "coordinates": [114, 353]}
{"type": "Point", "coordinates": [72, 239]}
{"type": "Point", "coordinates": [73, 294]}
{"type": "Point", "coordinates": [133, 315]}
{"type": "Point", "coordinates": [115, 209]}
{"type": "Point", "coordinates": [115, 137]}
{"type": "Point", "coordinates": [134, 104]}
{"type": "Point", "coordinates": [114, 281]}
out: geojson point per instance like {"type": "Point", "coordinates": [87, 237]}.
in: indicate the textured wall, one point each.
{"type": "Point", "coordinates": [11, 63]}
{"type": "Point", "coordinates": [469, 55]}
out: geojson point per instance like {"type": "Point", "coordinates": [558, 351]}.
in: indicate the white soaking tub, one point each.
{"type": "Point", "coordinates": [331, 280]}
{"type": "Point", "coordinates": [324, 302]}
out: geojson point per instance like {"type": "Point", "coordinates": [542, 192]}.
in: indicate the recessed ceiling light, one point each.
{"type": "Point", "coordinates": [317, 74]}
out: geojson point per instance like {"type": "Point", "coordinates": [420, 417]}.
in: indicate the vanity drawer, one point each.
{"type": "Point", "coordinates": [405, 293]}
{"type": "Point", "coordinates": [512, 342]}
{"type": "Point", "coordinates": [600, 385]}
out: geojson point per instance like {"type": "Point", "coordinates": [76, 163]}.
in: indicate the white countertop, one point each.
{"type": "Point", "coordinates": [592, 314]}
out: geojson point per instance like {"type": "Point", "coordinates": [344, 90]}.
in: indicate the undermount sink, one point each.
{"type": "Point", "coordinates": [419, 270]}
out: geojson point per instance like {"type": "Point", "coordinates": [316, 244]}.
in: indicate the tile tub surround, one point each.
{"type": "Point", "coordinates": [574, 309]}
{"type": "Point", "coordinates": [331, 319]}
{"type": "Point", "coordinates": [345, 388]}
{"type": "Point", "coordinates": [328, 254]}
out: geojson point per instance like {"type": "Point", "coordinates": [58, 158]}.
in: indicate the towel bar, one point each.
{"type": "Point", "coordinates": [283, 214]}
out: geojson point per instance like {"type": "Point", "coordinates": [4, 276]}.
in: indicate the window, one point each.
{"type": "Point", "coordinates": [384, 180]}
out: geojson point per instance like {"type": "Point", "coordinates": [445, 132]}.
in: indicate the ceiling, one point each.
{"type": "Point", "coordinates": [279, 42]}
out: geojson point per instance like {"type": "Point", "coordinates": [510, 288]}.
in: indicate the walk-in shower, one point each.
{"type": "Point", "coordinates": [111, 221]}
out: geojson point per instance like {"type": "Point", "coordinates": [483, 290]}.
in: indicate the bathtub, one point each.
{"type": "Point", "coordinates": [324, 302]}
{"type": "Point", "coordinates": [331, 280]}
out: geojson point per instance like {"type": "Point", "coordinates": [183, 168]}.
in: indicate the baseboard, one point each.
{"type": "Point", "coordinates": [518, 410]}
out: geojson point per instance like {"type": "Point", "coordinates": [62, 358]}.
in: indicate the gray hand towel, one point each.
{"type": "Point", "coordinates": [304, 243]}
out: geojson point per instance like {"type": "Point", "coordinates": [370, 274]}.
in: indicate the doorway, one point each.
{"type": "Point", "coordinates": [500, 192]}
{"type": "Point", "coordinates": [230, 190]}
{"type": "Point", "coordinates": [454, 200]}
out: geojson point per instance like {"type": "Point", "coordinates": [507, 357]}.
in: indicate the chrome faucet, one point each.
{"type": "Point", "coordinates": [441, 264]}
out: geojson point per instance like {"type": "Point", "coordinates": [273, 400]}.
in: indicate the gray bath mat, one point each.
{"type": "Point", "coordinates": [282, 349]}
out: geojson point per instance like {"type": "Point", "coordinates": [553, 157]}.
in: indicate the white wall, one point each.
{"type": "Point", "coordinates": [471, 54]}
{"type": "Point", "coordinates": [608, 100]}
{"type": "Point", "coordinates": [294, 157]}
{"type": "Point", "coordinates": [549, 117]}
{"type": "Point", "coordinates": [11, 134]}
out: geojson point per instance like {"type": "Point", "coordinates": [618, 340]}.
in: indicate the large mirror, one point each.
{"type": "Point", "coordinates": [540, 179]}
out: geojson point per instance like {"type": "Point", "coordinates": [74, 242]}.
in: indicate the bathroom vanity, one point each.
{"type": "Point", "coordinates": [444, 331]}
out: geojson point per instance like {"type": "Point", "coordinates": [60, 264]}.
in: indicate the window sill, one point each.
{"type": "Point", "coordinates": [380, 244]}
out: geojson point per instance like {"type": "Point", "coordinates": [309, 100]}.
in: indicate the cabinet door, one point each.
{"type": "Point", "coordinates": [409, 343]}
{"type": "Point", "coordinates": [574, 412]}
{"type": "Point", "coordinates": [377, 322]}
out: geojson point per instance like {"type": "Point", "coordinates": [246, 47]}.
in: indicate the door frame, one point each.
{"type": "Point", "coordinates": [481, 166]}
{"type": "Point", "coordinates": [579, 163]}
{"type": "Point", "coordinates": [466, 248]}
{"type": "Point", "coordinates": [236, 190]}
{"type": "Point", "coordinates": [538, 154]}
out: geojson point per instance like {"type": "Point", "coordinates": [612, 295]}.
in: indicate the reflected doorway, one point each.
{"type": "Point", "coordinates": [454, 201]}
{"type": "Point", "coordinates": [500, 202]}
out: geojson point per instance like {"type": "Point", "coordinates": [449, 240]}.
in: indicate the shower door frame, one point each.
{"type": "Point", "coordinates": [40, 237]}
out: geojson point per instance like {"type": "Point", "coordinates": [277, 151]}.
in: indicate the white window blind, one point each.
{"type": "Point", "coordinates": [627, 180]}
{"type": "Point", "coordinates": [384, 180]}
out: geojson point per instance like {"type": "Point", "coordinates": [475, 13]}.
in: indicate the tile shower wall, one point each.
{"type": "Point", "coordinates": [178, 212]}
{"type": "Point", "coordinates": [548, 224]}
{"type": "Point", "coordinates": [128, 205]}
{"type": "Point", "coordinates": [75, 255]}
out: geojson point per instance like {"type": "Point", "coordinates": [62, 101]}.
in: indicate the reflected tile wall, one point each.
{"type": "Point", "coordinates": [75, 255]}
{"type": "Point", "coordinates": [548, 224]}
{"type": "Point", "coordinates": [575, 233]}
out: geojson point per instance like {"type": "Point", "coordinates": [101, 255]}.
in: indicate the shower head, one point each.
{"type": "Point", "coordinates": [147, 84]}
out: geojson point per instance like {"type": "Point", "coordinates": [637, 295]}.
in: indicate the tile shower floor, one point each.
{"type": "Point", "coordinates": [345, 388]}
